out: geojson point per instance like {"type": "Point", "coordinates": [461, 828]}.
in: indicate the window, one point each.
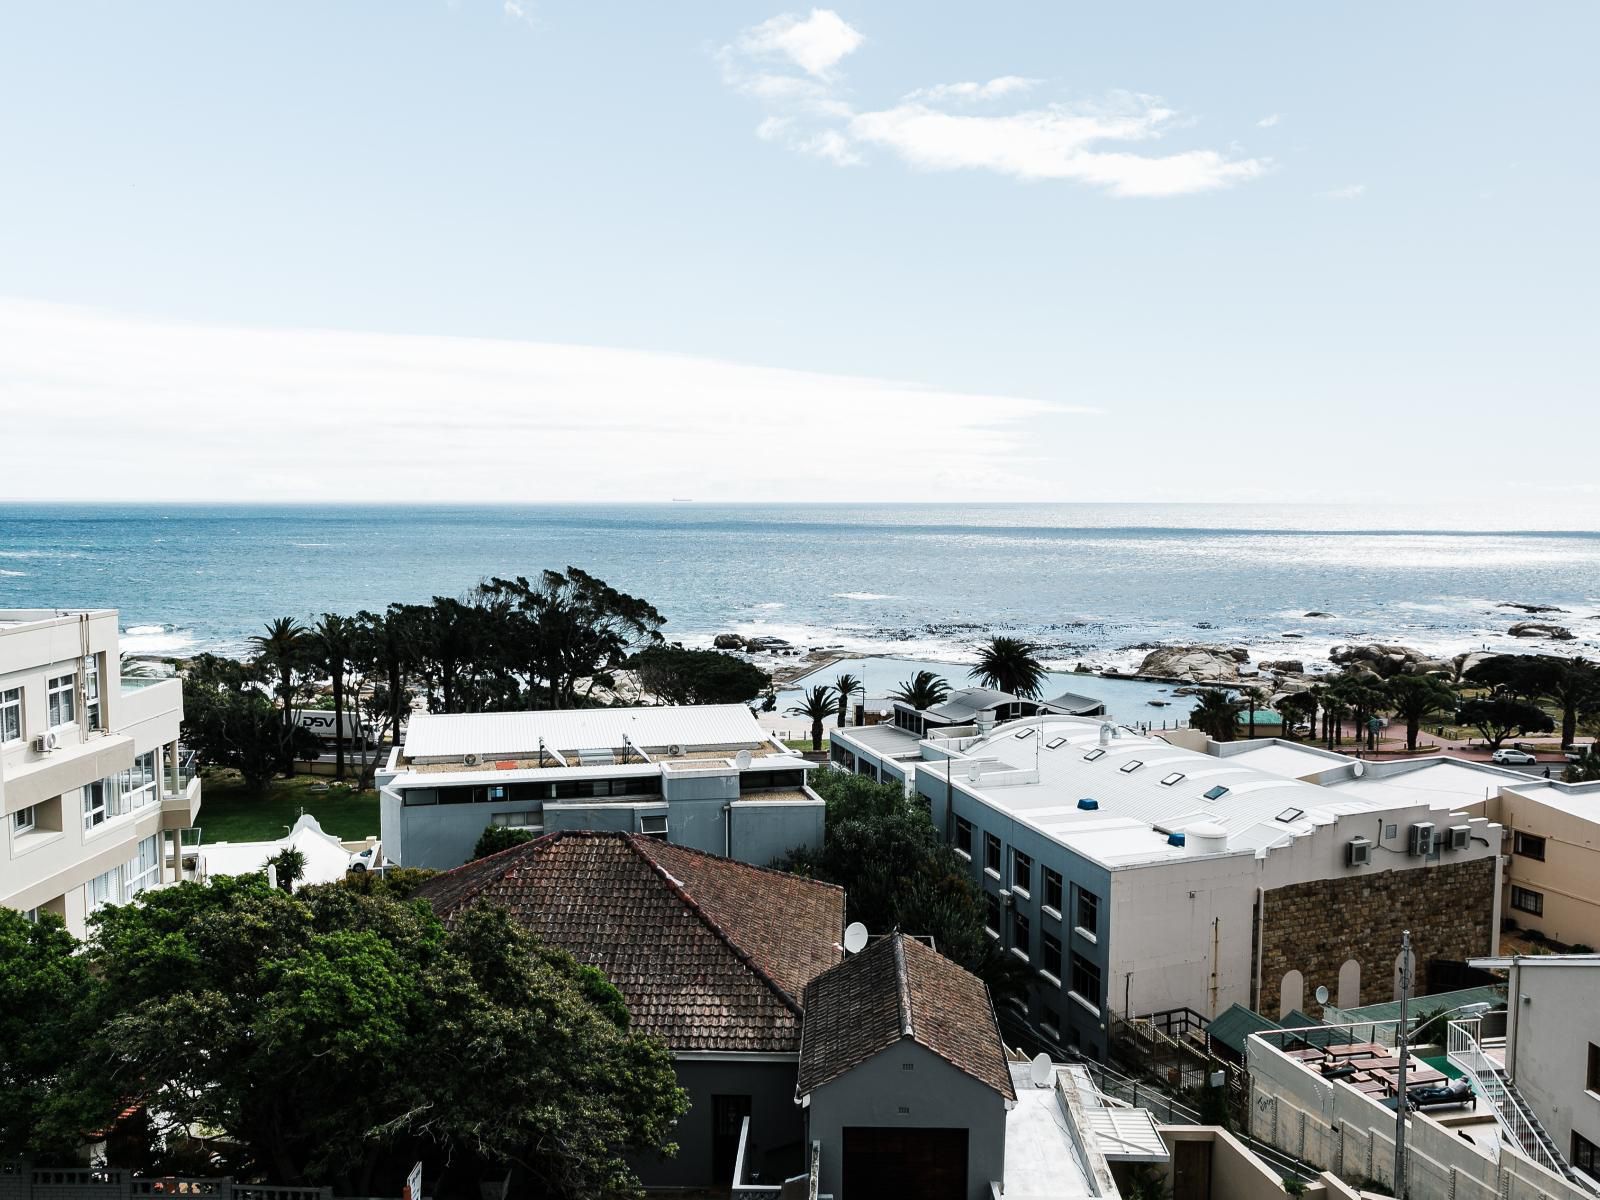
{"type": "Point", "coordinates": [991, 913]}
{"type": "Point", "coordinates": [24, 819]}
{"type": "Point", "coordinates": [145, 870]}
{"type": "Point", "coordinates": [654, 826]}
{"type": "Point", "coordinates": [1050, 953]}
{"type": "Point", "coordinates": [11, 715]}
{"type": "Point", "coordinates": [991, 853]}
{"type": "Point", "coordinates": [1217, 792]}
{"type": "Point", "coordinates": [1097, 752]}
{"type": "Point", "coordinates": [61, 701]}
{"type": "Point", "coordinates": [91, 692]}
{"type": "Point", "coordinates": [964, 836]}
{"type": "Point", "coordinates": [1088, 914]}
{"type": "Point", "coordinates": [1052, 890]}
{"type": "Point", "coordinates": [1021, 942]}
{"type": "Point", "coordinates": [517, 820]}
{"type": "Point", "coordinates": [1585, 1154]}
{"type": "Point", "coordinates": [1023, 733]}
{"type": "Point", "coordinates": [1291, 814]}
{"type": "Point", "coordinates": [1169, 780]}
{"type": "Point", "coordinates": [1050, 1019]}
{"type": "Point", "coordinates": [136, 786]}
{"type": "Point", "coordinates": [1524, 900]}
{"type": "Point", "coordinates": [1021, 871]}
{"type": "Point", "coordinates": [1528, 846]}
{"type": "Point", "coordinates": [1055, 743]}
{"type": "Point", "coordinates": [103, 889]}
{"type": "Point", "coordinates": [1086, 980]}
{"type": "Point", "coordinates": [1133, 764]}
{"type": "Point", "coordinates": [1593, 1077]}
{"type": "Point", "coordinates": [94, 804]}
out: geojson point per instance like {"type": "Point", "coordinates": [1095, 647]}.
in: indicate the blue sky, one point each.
{"type": "Point", "coordinates": [1369, 270]}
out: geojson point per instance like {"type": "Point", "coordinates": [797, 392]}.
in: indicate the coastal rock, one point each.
{"type": "Point", "coordinates": [1385, 660]}
{"type": "Point", "coordinates": [1214, 664]}
{"type": "Point", "coordinates": [728, 641]}
{"type": "Point", "coordinates": [1318, 614]}
{"type": "Point", "coordinates": [1530, 608]}
{"type": "Point", "coordinates": [1539, 629]}
{"type": "Point", "coordinates": [1285, 666]}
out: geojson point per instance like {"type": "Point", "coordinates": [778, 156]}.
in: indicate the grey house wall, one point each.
{"type": "Point", "coordinates": [933, 1095]}
{"type": "Point", "coordinates": [777, 1125]}
{"type": "Point", "coordinates": [1076, 1026]}
{"type": "Point", "coordinates": [763, 832]}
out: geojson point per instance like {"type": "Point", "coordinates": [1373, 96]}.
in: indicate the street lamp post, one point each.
{"type": "Point", "coordinates": [1400, 1093]}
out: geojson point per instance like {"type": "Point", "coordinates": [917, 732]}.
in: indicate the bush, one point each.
{"type": "Point", "coordinates": [496, 838]}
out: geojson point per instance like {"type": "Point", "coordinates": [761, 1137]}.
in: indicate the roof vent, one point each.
{"type": "Point", "coordinates": [1088, 804]}
{"type": "Point", "coordinates": [1175, 839]}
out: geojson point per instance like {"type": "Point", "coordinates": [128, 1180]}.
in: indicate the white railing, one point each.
{"type": "Point", "coordinates": [740, 1187]}
{"type": "Point", "coordinates": [1488, 1077]}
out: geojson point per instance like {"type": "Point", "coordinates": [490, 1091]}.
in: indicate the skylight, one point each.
{"type": "Point", "coordinates": [1217, 792]}
{"type": "Point", "coordinates": [1023, 733]}
{"type": "Point", "coordinates": [1291, 814]}
{"type": "Point", "coordinates": [1055, 743]}
{"type": "Point", "coordinates": [1133, 764]}
{"type": "Point", "coordinates": [1097, 752]}
{"type": "Point", "coordinates": [1169, 780]}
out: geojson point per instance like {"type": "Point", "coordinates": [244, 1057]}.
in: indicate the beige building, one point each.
{"type": "Point", "coordinates": [1553, 858]}
{"type": "Point", "coordinates": [92, 793]}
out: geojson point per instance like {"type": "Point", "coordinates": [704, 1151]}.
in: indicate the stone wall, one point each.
{"type": "Point", "coordinates": [1315, 927]}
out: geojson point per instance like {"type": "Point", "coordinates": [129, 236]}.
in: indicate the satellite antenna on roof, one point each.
{"type": "Point", "coordinates": [1322, 993]}
{"type": "Point", "coordinates": [742, 760]}
{"type": "Point", "coordinates": [855, 938]}
{"type": "Point", "coordinates": [1041, 1071]}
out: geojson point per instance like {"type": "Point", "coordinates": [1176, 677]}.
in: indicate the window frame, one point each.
{"type": "Point", "coordinates": [1021, 872]}
{"type": "Point", "coordinates": [98, 813]}
{"type": "Point", "coordinates": [1081, 897]}
{"type": "Point", "coordinates": [19, 827]}
{"type": "Point", "coordinates": [1592, 1075]}
{"type": "Point", "coordinates": [993, 916]}
{"type": "Point", "coordinates": [1523, 844]}
{"type": "Point", "coordinates": [1051, 952]}
{"type": "Point", "coordinates": [1088, 970]}
{"type": "Point", "coordinates": [1054, 883]}
{"type": "Point", "coordinates": [964, 837]}
{"type": "Point", "coordinates": [1021, 933]}
{"type": "Point", "coordinates": [992, 854]}
{"type": "Point", "coordinates": [1585, 1155]}
{"type": "Point", "coordinates": [1534, 905]}
{"type": "Point", "coordinates": [11, 703]}
{"type": "Point", "coordinates": [61, 697]}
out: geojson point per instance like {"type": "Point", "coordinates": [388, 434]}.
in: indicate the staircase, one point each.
{"type": "Point", "coordinates": [1518, 1125]}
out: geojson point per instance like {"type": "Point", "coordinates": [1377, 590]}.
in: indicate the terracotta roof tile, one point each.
{"type": "Point", "coordinates": [710, 953]}
{"type": "Point", "coordinates": [897, 988]}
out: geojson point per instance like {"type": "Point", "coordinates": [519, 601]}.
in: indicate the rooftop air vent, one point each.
{"type": "Point", "coordinates": [1088, 804]}
{"type": "Point", "coordinates": [1175, 839]}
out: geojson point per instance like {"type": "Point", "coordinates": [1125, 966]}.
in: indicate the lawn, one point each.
{"type": "Point", "coordinates": [229, 814]}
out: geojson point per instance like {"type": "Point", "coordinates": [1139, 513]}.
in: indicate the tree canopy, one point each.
{"type": "Point", "coordinates": [1010, 665]}
{"type": "Point", "coordinates": [335, 1035]}
{"type": "Point", "coordinates": [674, 675]}
{"type": "Point", "coordinates": [1498, 716]}
{"type": "Point", "coordinates": [922, 691]}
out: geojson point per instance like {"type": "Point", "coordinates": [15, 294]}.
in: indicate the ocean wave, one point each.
{"type": "Point", "coordinates": [771, 604]}
{"type": "Point", "coordinates": [146, 630]}
{"type": "Point", "coordinates": [13, 574]}
{"type": "Point", "coordinates": [861, 596]}
{"type": "Point", "coordinates": [311, 545]}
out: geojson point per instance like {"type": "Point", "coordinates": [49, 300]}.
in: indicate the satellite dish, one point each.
{"type": "Point", "coordinates": [1041, 1070]}
{"type": "Point", "coordinates": [742, 760]}
{"type": "Point", "coordinates": [1358, 768]}
{"type": "Point", "coordinates": [855, 937]}
{"type": "Point", "coordinates": [1322, 993]}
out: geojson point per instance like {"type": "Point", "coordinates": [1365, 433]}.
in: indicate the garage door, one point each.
{"type": "Point", "coordinates": [927, 1163]}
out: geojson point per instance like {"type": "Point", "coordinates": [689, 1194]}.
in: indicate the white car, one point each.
{"type": "Point", "coordinates": [1513, 758]}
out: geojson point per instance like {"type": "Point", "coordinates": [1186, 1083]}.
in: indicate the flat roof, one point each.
{"type": "Point", "coordinates": [517, 735]}
{"type": "Point", "coordinates": [1575, 799]}
{"type": "Point", "coordinates": [1287, 759]}
{"type": "Point", "coordinates": [884, 739]}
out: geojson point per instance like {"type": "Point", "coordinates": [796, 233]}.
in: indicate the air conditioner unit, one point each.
{"type": "Point", "coordinates": [1358, 852]}
{"type": "Point", "coordinates": [1419, 839]}
{"type": "Point", "coordinates": [1006, 897]}
{"type": "Point", "coordinates": [471, 760]}
{"type": "Point", "coordinates": [1460, 835]}
{"type": "Point", "coordinates": [675, 751]}
{"type": "Point", "coordinates": [44, 743]}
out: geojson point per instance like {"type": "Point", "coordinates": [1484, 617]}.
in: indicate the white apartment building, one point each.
{"type": "Point", "coordinates": [92, 794]}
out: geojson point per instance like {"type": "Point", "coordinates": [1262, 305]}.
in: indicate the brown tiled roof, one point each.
{"type": "Point", "coordinates": [899, 988]}
{"type": "Point", "coordinates": [710, 953]}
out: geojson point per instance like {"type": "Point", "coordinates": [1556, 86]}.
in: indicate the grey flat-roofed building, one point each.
{"type": "Point", "coordinates": [704, 776]}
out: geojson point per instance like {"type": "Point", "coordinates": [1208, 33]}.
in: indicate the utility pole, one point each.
{"type": "Point", "coordinates": [1400, 1094]}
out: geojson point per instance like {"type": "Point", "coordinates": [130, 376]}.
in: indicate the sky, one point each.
{"type": "Point", "coordinates": [528, 250]}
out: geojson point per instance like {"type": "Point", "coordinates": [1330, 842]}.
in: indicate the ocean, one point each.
{"type": "Point", "coordinates": [919, 582]}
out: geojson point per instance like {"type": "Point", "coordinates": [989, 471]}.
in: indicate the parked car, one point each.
{"type": "Point", "coordinates": [1577, 753]}
{"type": "Point", "coordinates": [367, 860]}
{"type": "Point", "coordinates": [1512, 758]}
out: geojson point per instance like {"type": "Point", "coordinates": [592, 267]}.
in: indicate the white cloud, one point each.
{"type": "Point", "coordinates": [216, 412]}
{"type": "Point", "coordinates": [814, 43]}
{"type": "Point", "coordinates": [935, 129]}
{"type": "Point", "coordinates": [1353, 191]}
{"type": "Point", "coordinates": [1268, 121]}
{"type": "Point", "coordinates": [973, 92]}
{"type": "Point", "coordinates": [517, 11]}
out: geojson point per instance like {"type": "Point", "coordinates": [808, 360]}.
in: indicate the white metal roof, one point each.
{"type": "Point", "coordinates": [518, 734]}
{"type": "Point", "coordinates": [1292, 762]}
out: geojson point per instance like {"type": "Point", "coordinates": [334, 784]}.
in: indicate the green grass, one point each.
{"type": "Point", "coordinates": [229, 814]}
{"type": "Point", "coordinates": [803, 743]}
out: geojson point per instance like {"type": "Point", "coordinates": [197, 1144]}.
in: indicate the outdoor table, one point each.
{"type": "Point", "coordinates": [1357, 1050]}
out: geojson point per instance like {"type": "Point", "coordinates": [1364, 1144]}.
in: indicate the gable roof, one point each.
{"type": "Point", "coordinates": [710, 953]}
{"type": "Point", "coordinates": [1234, 1024]}
{"type": "Point", "coordinates": [899, 988]}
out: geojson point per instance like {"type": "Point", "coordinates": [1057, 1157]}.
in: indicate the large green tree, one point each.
{"type": "Point", "coordinates": [334, 643]}
{"type": "Point", "coordinates": [922, 691]}
{"type": "Point", "coordinates": [335, 1035]}
{"type": "Point", "coordinates": [1415, 698]}
{"type": "Point", "coordinates": [1011, 665]}
{"type": "Point", "coordinates": [675, 675]}
{"type": "Point", "coordinates": [284, 653]}
{"type": "Point", "coordinates": [816, 705]}
{"type": "Point", "coordinates": [846, 685]}
{"type": "Point", "coordinates": [1497, 716]}
{"type": "Point", "coordinates": [1216, 714]}
{"type": "Point", "coordinates": [229, 720]}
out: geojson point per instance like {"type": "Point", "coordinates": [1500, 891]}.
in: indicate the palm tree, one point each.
{"type": "Point", "coordinates": [1415, 698]}
{"type": "Point", "coordinates": [1251, 696]}
{"type": "Point", "coordinates": [1010, 665]}
{"type": "Point", "coordinates": [922, 691]}
{"type": "Point", "coordinates": [818, 705]}
{"type": "Point", "coordinates": [281, 652]}
{"type": "Point", "coordinates": [1298, 706]}
{"type": "Point", "coordinates": [1216, 715]}
{"type": "Point", "coordinates": [334, 643]}
{"type": "Point", "coordinates": [847, 686]}
{"type": "Point", "coordinates": [1362, 696]}
{"type": "Point", "coordinates": [1574, 685]}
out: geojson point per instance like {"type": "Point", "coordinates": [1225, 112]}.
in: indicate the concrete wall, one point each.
{"type": "Point", "coordinates": [933, 1095]}
{"type": "Point", "coordinates": [763, 831]}
{"type": "Point", "coordinates": [1317, 926]}
{"type": "Point", "coordinates": [1335, 1128]}
{"type": "Point", "coordinates": [777, 1125]}
{"type": "Point", "coordinates": [1236, 1173]}
{"type": "Point", "coordinates": [1547, 1046]}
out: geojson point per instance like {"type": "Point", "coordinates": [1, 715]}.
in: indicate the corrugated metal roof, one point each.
{"type": "Point", "coordinates": [880, 739]}
{"type": "Point", "coordinates": [516, 734]}
{"type": "Point", "coordinates": [1233, 1024]}
{"type": "Point", "coordinates": [965, 703]}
